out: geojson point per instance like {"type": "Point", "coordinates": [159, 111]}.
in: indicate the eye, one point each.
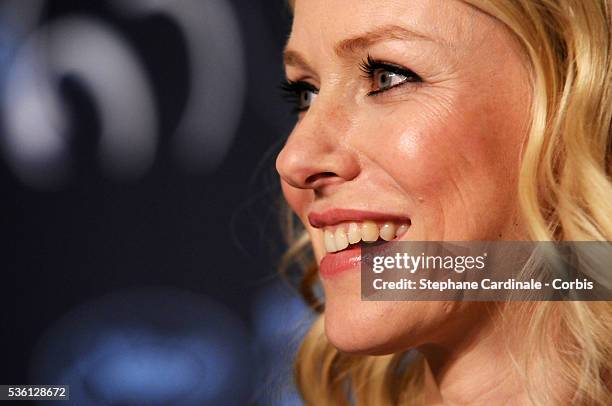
{"type": "Point", "coordinates": [384, 79]}
{"type": "Point", "coordinates": [300, 94]}
{"type": "Point", "coordinates": [385, 76]}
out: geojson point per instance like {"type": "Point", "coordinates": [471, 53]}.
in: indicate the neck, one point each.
{"type": "Point", "coordinates": [482, 367]}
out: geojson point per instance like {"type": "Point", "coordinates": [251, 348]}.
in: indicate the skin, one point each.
{"type": "Point", "coordinates": [444, 152]}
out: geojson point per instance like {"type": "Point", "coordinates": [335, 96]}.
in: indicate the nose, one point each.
{"type": "Point", "coordinates": [317, 153]}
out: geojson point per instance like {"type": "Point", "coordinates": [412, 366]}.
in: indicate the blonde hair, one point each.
{"type": "Point", "coordinates": [564, 192]}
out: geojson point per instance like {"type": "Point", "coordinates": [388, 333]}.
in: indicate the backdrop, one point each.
{"type": "Point", "coordinates": [139, 212]}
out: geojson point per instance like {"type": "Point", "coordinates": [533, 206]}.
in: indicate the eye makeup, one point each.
{"type": "Point", "coordinates": [299, 93]}
{"type": "Point", "coordinates": [376, 70]}
{"type": "Point", "coordinates": [383, 76]}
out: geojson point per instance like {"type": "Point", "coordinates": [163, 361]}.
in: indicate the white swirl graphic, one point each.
{"type": "Point", "coordinates": [218, 77]}
{"type": "Point", "coordinates": [36, 122]}
{"type": "Point", "coordinates": [35, 117]}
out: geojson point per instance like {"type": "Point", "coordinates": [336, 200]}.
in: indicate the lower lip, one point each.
{"type": "Point", "coordinates": [335, 263]}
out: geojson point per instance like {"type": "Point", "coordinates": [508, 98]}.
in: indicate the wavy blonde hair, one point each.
{"type": "Point", "coordinates": [565, 193]}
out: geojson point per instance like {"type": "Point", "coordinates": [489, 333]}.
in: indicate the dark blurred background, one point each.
{"type": "Point", "coordinates": [140, 226]}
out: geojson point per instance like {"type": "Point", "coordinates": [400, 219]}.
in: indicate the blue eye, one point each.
{"type": "Point", "coordinates": [384, 80]}
{"type": "Point", "coordinates": [300, 94]}
{"type": "Point", "coordinates": [386, 76]}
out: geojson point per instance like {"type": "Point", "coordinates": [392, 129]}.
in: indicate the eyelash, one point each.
{"type": "Point", "coordinates": [371, 66]}
{"type": "Point", "coordinates": [293, 89]}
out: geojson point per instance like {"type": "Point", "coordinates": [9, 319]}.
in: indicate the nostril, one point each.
{"type": "Point", "coordinates": [321, 175]}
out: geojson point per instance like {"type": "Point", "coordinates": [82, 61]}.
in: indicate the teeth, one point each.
{"type": "Point", "coordinates": [354, 235]}
{"type": "Point", "coordinates": [401, 230]}
{"type": "Point", "coordinates": [339, 238]}
{"type": "Point", "coordinates": [330, 245]}
{"type": "Point", "coordinates": [369, 231]}
{"type": "Point", "coordinates": [387, 231]}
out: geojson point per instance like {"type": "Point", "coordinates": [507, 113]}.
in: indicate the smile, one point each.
{"type": "Point", "coordinates": [343, 228]}
{"type": "Point", "coordinates": [339, 237]}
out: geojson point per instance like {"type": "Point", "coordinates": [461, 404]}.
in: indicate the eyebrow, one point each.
{"type": "Point", "coordinates": [294, 58]}
{"type": "Point", "coordinates": [355, 45]}
{"type": "Point", "coordinates": [388, 32]}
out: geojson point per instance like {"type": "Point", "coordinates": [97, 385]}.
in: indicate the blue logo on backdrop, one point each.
{"type": "Point", "coordinates": [155, 346]}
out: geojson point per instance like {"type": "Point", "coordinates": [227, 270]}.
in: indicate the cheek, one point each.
{"type": "Point", "coordinates": [459, 165]}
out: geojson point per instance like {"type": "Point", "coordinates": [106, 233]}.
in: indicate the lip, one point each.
{"type": "Point", "coordinates": [335, 263]}
{"type": "Point", "coordinates": [336, 216]}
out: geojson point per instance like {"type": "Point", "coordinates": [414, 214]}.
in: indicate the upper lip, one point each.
{"type": "Point", "coordinates": [336, 216]}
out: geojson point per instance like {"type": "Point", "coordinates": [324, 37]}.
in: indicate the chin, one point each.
{"type": "Point", "coordinates": [379, 328]}
{"type": "Point", "coordinates": [372, 328]}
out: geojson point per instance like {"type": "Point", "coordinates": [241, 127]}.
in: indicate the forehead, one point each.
{"type": "Point", "coordinates": [319, 25]}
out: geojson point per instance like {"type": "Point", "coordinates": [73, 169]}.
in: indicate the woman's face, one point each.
{"type": "Point", "coordinates": [412, 117]}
